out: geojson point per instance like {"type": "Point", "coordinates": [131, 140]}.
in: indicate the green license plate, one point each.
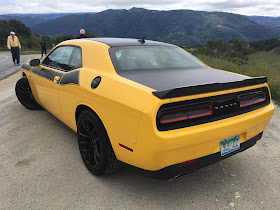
{"type": "Point", "coordinates": [230, 144]}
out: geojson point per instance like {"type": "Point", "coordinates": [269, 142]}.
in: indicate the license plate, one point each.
{"type": "Point", "coordinates": [230, 144]}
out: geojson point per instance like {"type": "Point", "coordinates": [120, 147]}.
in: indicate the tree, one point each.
{"type": "Point", "coordinates": [236, 49]}
{"type": "Point", "coordinates": [216, 47]}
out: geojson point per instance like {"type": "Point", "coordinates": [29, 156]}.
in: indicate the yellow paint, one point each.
{"type": "Point", "coordinates": [128, 111]}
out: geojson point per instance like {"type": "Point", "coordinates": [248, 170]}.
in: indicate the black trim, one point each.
{"type": "Point", "coordinates": [70, 78]}
{"type": "Point", "coordinates": [26, 67]}
{"type": "Point", "coordinates": [198, 89]}
{"type": "Point", "coordinates": [218, 114]}
{"type": "Point", "coordinates": [118, 42]}
{"type": "Point", "coordinates": [175, 171]}
{"type": "Point", "coordinates": [46, 73]}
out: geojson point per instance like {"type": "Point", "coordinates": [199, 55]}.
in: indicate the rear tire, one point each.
{"type": "Point", "coordinates": [94, 145]}
{"type": "Point", "coordinates": [25, 95]}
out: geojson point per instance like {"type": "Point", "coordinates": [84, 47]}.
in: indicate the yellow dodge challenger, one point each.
{"type": "Point", "coordinates": [146, 104]}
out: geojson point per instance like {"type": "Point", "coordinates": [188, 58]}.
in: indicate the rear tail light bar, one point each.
{"type": "Point", "coordinates": [180, 114]}
{"type": "Point", "coordinates": [188, 113]}
{"type": "Point", "coordinates": [252, 98]}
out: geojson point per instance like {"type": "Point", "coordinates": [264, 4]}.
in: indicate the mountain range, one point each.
{"type": "Point", "coordinates": [27, 20]}
{"type": "Point", "coordinates": [269, 21]}
{"type": "Point", "coordinates": [33, 19]}
{"type": "Point", "coordinates": [181, 27]}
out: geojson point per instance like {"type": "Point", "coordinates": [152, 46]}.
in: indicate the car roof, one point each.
{"type": "Point", "coordinates": [118, 42]}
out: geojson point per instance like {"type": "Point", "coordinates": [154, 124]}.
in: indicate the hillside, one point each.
{"type": "Point", "coordinates": [27, 20]}
{"type": "Point", "coordinates": [28, 39]}
{"type": "Point", "coordinates": [268, 21]}
{"type": "Point", "coordinates": [182, 27]}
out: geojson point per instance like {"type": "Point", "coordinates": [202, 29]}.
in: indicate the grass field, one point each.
{"type": "Point", "coordinates": [259, 64]}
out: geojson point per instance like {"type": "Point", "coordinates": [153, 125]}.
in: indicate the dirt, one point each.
{"type": "Point", "coordinates": [41, 168]}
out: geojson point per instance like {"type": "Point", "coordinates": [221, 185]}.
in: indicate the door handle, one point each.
{"type": "Point", "coordinates": [56, 79]}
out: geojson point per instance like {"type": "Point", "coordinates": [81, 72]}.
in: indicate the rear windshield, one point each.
{"type": "Point", "coordinates": [137, 58]}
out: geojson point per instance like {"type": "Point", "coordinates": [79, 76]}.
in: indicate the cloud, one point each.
{"type": "Point", "coordinates": [253, 7]}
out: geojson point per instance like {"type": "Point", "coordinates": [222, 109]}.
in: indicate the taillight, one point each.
{"type": "Point", "coordinates": [187, 113]}
{"type": "Point", "coordinates": [254, 98]}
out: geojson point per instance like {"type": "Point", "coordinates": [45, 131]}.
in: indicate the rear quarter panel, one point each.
{"type": "Point", "coordinates": [117, 101]}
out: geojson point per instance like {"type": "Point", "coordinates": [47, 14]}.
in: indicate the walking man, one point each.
{"type": "Point", "coordinates": [43, 48]}
{"type": "Point", "coordinates": [14, 45]}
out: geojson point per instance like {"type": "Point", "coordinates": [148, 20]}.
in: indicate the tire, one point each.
{"type": "Point", "coordinates": [25, 95]}
{"type": "Point", "coordinates": [94, 145]}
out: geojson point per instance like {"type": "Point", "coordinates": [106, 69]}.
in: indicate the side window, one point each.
{"type": "Point", "coordinates": [76, 60]}
{"type": "Point", "coordinates": [59, 58]}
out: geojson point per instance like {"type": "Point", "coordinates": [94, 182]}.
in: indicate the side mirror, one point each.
{"type": "Point", "coordinates": [35, 62]}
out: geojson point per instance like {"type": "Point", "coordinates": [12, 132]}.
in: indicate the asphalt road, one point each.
{"type": "Point", "coordinates": [7, 67]}
{"type": "Point", "coordinates": [41, 168]}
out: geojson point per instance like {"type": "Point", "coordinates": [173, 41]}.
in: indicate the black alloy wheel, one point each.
{"type": "Point", "coordinates": [25, 95]}
{"type": "Point", "coordinates": [89, 143]}
{"type": "Point", "coordinates": [94, 145]}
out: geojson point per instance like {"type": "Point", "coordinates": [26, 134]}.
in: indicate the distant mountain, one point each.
{"type": "Point", "coordinates": [268, 21]}
{"type": "Point", "coordinates": [49, 16]}
{"type": "Point", "coordinates": [27, 20]}
{"type": "Point", "coordinates": [181, 27]}
{"type": "Point", "coordinates": [33, 19]}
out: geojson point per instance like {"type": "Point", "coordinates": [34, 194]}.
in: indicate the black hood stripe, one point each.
{"type": "Point", "coordinates": [46, 73]}
{"type": "Point", "coordinates": [70, 78]}
{"type": "Point", "coordinates": [26, 67]}
{"type": "Point", "coordinates": [66, 78]}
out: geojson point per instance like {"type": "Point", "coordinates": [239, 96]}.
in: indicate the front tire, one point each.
{"type": "Point", "coordinates": [94, 144]}
{"type": "Point", "coordinates": [25, 95]}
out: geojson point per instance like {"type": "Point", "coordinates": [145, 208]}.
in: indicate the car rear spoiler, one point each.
{"type": "Point", "coordinates": [206, 88]}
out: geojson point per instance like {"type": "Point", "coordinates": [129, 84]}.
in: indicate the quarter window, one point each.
{"type": "Point", "coordinates": [76, 60]}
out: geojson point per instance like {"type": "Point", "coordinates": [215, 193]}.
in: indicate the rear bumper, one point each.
{"type": "Point", "coordinates": [156, 150]}
{"type": "Point", "coordinates": [175, 171]}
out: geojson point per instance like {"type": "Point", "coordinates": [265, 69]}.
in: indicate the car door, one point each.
{"type": "Point", "coordinates": [48, 75]}
{"type": "Point", "coordinates": [69, 88]}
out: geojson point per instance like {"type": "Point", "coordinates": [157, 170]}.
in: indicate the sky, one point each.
{"type": "Point", "coordinates": [244, 7]}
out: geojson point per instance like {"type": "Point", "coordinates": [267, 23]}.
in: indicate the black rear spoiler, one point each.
{"type": "Point", "coordinates": [206, 88]}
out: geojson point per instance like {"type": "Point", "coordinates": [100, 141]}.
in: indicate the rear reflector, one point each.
{"type": "Point", "coordinates": [186, 113]}
{"type": "Point", "coordinates": [252, 99]}
{"type": "Point", "coordinates": [186, 162]}
{"type": "Point", "coordinates": [125, 147]}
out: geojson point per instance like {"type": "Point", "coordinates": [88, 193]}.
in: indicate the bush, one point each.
{"type": "Point", "coordinates": [238, 61]}
{"type": "Point", "coordinates": [234, 50]}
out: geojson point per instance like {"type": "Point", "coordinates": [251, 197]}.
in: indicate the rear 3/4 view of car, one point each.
{"type": "Point", "coordinates": [153, 107]}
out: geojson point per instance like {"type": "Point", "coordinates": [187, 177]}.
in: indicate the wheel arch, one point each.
{"type": "Point", "coordinates": [82, 107]}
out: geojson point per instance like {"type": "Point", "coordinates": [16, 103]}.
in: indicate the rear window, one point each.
{"type": "Point", "coordinates": [137, 58]}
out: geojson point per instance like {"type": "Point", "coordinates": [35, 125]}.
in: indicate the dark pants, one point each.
{"type": "Point", "coordinates": [15, 54]}
{"type": "Point", "coordinates": [44, 49]}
